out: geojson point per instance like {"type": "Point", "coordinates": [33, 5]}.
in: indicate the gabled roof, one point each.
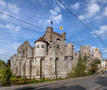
{"type": "Point", "coordinates": [26, 42]}
{"type": "Point", "coordinates": [40, 40]}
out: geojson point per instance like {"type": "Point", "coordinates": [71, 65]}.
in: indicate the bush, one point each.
{"type": "Point", "coordinates": [94, 66]}
{"type": "Point", "coordinates": [7, 73]}
{"type": "Point", "coordinates": [80, 67]}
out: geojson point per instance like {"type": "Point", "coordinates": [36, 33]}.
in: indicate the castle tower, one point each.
{"type": "Point", "coordinates": [40, 47]}
{"type": "Point", "coordinates": [49, 31]}
{"type": "Point", "coordinates": [96, 54]}
{"type": "Point", "coordinates": [64, 35]}
{"type": "Point", "coordinates": [69, 49]}
{"type": "Point", "coordinates": [85, 51]}
{"type": "Point", "coordinates": [40, 53]}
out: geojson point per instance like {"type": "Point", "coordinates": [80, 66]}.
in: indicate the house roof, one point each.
{"type": "Point", "coordinates": [26, 42]}
{"type": "Point", "coordinates": [41, 39]}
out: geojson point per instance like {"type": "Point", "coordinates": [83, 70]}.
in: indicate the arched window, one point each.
{"type": "Point", "coordinates": [57, 39]}
{"type": "Point", "coordinates": [37, 46]}
{"type": "Point", "coordinates": [42, 46]}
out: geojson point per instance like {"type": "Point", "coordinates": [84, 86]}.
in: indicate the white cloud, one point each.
{"type": "Point", "coordinates": [53, 12]}
{"type": "Point", "coordinates": [81, 17]}
{"type": "Point", "coordinates": [1, 26]}
{"type": "Point", "coordinates": [102, 31]}
{"type": "Point", "coordinates": [92, 47]}
{"type": "Point", "coordinates": [76, 5]}
{"type": "Point", "coordinates": [2, 3]}
{"type": "Point", "coordinates": [57, 18]}
{"type": "Point", "coordinates": [13, 8]}
{"type": "Point", "coordinates": [91, 10]}
{"type": "Point", "coordinates": [17, 28]}
{"type": "Point", "coordinates": [103, 1]}
{"type": "Point", "coordinates": [105, 11]}
{"type": "Point", "coordinates": [4, 17]}
{"type": "Point", "coordinates": [10, 27]}
{"type": "Point", "coordinates": [55, 15]}
{"type": "Point", "coordinates": [9, 49]}
{"type": "Point", "coordinates": [60, 5]}
{"type": "Point", "coordinates": [8, 8]}
{"type": "Point", "coordinates": [105, 50]}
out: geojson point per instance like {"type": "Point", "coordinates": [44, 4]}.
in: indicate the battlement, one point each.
{"type": "Point", "coordinates": [50, 35]}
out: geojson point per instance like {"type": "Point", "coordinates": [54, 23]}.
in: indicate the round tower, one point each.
{"type": "Point", "coordinates": [40, 47]}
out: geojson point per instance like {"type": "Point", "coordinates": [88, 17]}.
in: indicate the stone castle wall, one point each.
{"type": "Point", "coordinates": [51, 57]}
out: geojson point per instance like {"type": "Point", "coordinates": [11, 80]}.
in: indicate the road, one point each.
{"type": "Point", "coordinates": [82, 83]}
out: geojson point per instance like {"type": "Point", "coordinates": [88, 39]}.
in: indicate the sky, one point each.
{"type": "Point", "coordinates": [40, 12]}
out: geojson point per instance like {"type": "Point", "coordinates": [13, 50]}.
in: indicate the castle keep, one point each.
{"type": "Point", "coordinates": [51, 57]}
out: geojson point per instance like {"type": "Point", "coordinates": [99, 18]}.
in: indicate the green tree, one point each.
{"type": "Point", "coordinates": [2, 67]}
{"type": "Point", "coordinates": [7, 73]}
{"type": "Point", "coordinates": [80, 67]}
{"type": "Point", "coordinates": [94, 66]}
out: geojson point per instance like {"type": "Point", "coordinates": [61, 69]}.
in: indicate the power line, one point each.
{"type": "Point", "coordinates": [30, 24]}
{"type": "Point", "coordinates": [81, 21]}
{"type": "Point", "coordinates": [73, 42]}
{"type": "Point", "coordinates": [20, 20]}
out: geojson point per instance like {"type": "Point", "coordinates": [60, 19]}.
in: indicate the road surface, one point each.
{"type": "Point", "coordinates": [82, 83]}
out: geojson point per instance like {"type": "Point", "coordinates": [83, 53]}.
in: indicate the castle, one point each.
{"type": "Point", "coordinates": [51, 57]}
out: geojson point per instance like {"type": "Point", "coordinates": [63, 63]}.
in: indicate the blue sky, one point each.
{"type": "Point", "coordinates": [40, 12]}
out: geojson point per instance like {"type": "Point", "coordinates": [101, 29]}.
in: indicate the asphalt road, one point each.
{"type": "Point", "coordinates": [83, 83]}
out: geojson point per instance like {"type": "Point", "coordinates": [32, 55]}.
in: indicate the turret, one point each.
{"type": "Point", "coordinates": [96, 54]}
{"type": "Point", "coordinates": [40, 47]}
{"type": "Point", "coordinates": [85, 51]}
{"type": "Point", "coordinates": [64, 35]}
{"type": "Point", "coordinates": [48, 36]}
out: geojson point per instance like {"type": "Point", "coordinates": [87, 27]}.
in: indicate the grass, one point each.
{"type": "Point", "coordinates": [21, 81]}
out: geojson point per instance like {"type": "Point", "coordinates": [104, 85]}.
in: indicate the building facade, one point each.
{"type": "Point", "coordinates": [51, 57]}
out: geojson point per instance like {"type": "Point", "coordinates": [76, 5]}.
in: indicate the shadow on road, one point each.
{"type": "Point", "coordinates": [102, 81]}
{"type": "Point", "coordinates": [76, 87]}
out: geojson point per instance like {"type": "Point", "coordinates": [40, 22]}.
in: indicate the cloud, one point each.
{"type": "Point", "coordinates": [13, 8]}
{"type": "Point", "coordinates": [105, 50]}
{"type": "Point", "coordinates": [103, 1]}
{"type": "Point", "coordinates": [55, 11]}
{"type": "Point", "coordinates": [76, 5]}
{"type": "Point", "coordinates": [10, 27]}
{"type": "Point", "coordinates": [102, 31]}
{"type": "Point", "coordinates": [9, 49]}
{"type": "Point", "coordinates": [55, 15]}
{"type": "Point", "coordinates": [4, 17]}
{"type": "Point", "coordinates": [8, 8]}
{"type": "Point", "coordinates": [92, 47]}
{"type": "Point", "coordinates": [105, 11]}
{"type": "Point", "coordinates": [60, 5]}
{"type": "Point", "coordinates": [91, 10]}
{"type": "Point", "coordinates": [2, 3]}
{"type": "Point", "coordinates": [81, 17]}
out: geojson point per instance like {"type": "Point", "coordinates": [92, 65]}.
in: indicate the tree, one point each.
{"type": "Point", "coordinates": [7, 73]}
{"type": "Point", "coordinates": [80, 68]}
{"type": "Point", "coordinates": [94, 66]}
{"type": "Point", "coordinates": [2, 67]}
{"type": "Point", "coordinates": [8, 62]}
